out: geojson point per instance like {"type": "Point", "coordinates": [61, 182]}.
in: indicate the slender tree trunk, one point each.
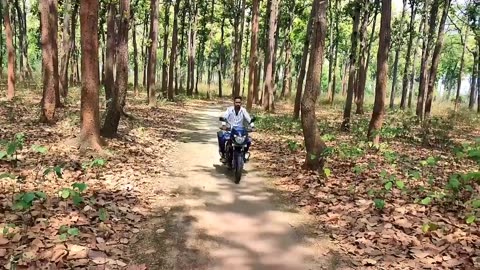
{"type": "Point", "coordinates": [473, 82]}
{"type": "Point", "coordinates": [48, 99]}
{"type": "Point", "coordinates": [378, 114]}
{"type": "Point", "coordinates": [411, 30]}
{"type": "Point", "coordinates": [182, 44]}
{"type": "Point", "coordinates": [65, 49]}
{"type": "Point", "coordinates": [237, 57]}
{"type": "Point", "coordinates": [221, 56]}
{"type": "Point", "coordinates": [152, 53]}
{"type": "Point", "coordinates": [115, 108]}
{"type": "Point", "coordinates": [253, 55]}
{"type": "Point", "coordinates": [436, 59]}
{"type": "Point", "coordinates": [165, 48]}
{"type": "Point", "coordinates": [412, 74]}
{"type": "Point", "coordinates": [135, 48]}
{"type": "Point", "coordinates": [287, 76]}
{"type": "Point", "coordinates": [244, 71]}
{"type": "Point", "coordinates": [478, 77]}
{"type": "Point", "coordinates": [173, 51]}
{"type": "Point", "coordinates": [460, 72]}
{"type": "Point", "coordinates": [303, 64]}
{"type": "Point", "coordinates": [73, 32]}
{"type": "Point", "coordinates": [269, 85]}
{"type": "Point", "coordinates": [90, 111]}
{"type": "Point", "coordinates": [192, 51]}
{"type": "Point", "coordinates": [333, 85]}
{"type": "Point", "coordinates": [10, 51]}
{"type": "Point", "coordinates": [397, 56]}
{"type": "Point", "coordinates": [313, 143]}
{"type": "Point", "coordinates": [351, 77]}
{"type": "Point", "coordinates": [145, 52]}
{"type": "Point", "coordinates": [346, 68]}
{"type": "Point", "coordinates": [110, 52]}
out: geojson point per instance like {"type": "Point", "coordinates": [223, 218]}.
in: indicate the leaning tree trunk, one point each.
{"type": "Point", "coordinates": [378, 114]}
{"type": "Point", "coordinates": [403, 101]}
{"type": "Point", "coordinates": [253, 54]}
{"type": "Point", "coordinates": [152, 53]}
{"type": "Point", "coordinates": [436, 59]}
{"type": "Point", "coordinates": [269, 85]}
{"type": "Point", "coordinates": [313, 142]}
{"type": "Point", "coordinates": [48, 99]}
{"type": "Point", "coordinates": [351, 77]}
{"type": "Point", "coordinates": [90, 111]}
{"type": "Point", "coordinates": [397, 56]}
{"type": "Point", "coordinates": [115, 108]}
{"type": "Point", "coordinates": [303, 64]}
{"type": "Point", "coordinates": [10, 51]}
{"type": "Point", "coordinates": [173, 51]}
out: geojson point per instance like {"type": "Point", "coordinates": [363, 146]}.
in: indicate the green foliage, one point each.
{"type": "Point", "coordinates": [10, 148]}
{"type": "Point", "coordinates": [278, 124]}
{"type": "Point", "coordinates": [65, 232]}
{"type": "Point", "coordinates": [74, 193]}
{"type": "Point", "coordinates": [23, 201]}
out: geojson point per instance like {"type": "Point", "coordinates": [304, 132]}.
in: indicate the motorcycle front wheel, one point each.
{"type": "Point", "coordinates": [238, 164]}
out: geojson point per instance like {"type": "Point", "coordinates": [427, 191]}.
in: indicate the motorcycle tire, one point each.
{"type": "Point", "coordinates": [238, 161]}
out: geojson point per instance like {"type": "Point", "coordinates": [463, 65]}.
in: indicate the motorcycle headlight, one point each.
{"type": "Point", "coordinates": [239, 139]}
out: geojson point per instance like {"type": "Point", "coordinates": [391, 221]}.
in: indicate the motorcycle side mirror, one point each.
{"type": "Point", "coordinates": [221, 118]}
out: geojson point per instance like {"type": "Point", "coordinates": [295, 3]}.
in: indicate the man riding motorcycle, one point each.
{"type": "Point", "coordinates": [235, 116]}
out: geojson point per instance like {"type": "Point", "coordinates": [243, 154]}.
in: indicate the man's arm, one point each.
{"type": "Point", "coordinates": [247, 117]}
{"type": "Point", "coordinates": [225, 115]}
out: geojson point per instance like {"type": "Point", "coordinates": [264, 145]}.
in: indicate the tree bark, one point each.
{"type": "Point", "coordinates": [412, 74]}
{"type": "Point", "coordinates": [48, 99]}
{"type": "Point", "coordinates": [110, 52]}
{"type": "Point", "coordinates": [287, 75]}
{"type": "Point", "coordinates": [238, 49]}
{"type": "Point", "coordinates": [165, 48]}
{"type": "Point", "coordinates": [352, 65]}
{"type": "Point", "coordinates": [397, 56]}
{"type": "Point", "coordinates": [462, 63]}
{"type": "Point", "coordinates": [10, 51]}
{"type": "Point", "coordinates": [378, 114]}
{"type": "Point", "coordinates": [192, 51]}
{"type": "Point", "coordinates": [333, 85]}
{"type": "Point", "coordinates": [473, 82]}
{"type": "Point", "coordinates": [65, 49]}
{"type": "Point", "coordinates": [152, 53]}
{"type": "Point", "coordinates": [411, 30]}
{"type": "Point", "coordinates": [303, 64]}
{"type": "Point", "coordinates": [436, 59]}
{"type": "Point", "coordinates": [253, 54]}
{"type": "Point", "coordinates": [90, 111]}
{"type": "Point", "coordinates": [115, 108]}
{"type": "Point", "coordinates": [313, 143]}
{"type": "Point", "coordinates": [269, 85]}
{"type": "Point", "coordinates": [221, 61]}
{"type": "Point", "coordinates": [173, 52]}
{"type": "Point", "coordinates": [135, 49]}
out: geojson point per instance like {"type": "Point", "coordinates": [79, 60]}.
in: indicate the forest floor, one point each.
{"type": "Point", "coordinates": [158, 197]}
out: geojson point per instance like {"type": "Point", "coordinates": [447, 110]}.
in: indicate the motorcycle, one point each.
{"type": "Point", "coordinates": [235, 144]}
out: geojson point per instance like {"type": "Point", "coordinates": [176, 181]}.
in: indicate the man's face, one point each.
{"type": "Point", "coordinates": [238, 103]}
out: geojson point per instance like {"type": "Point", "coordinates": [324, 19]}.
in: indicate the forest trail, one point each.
{"type": "Point", "coordinates": [216, 224]}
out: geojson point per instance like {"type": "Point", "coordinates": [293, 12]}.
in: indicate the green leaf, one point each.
{"type": "Point", "coordinates": [11, 148]}
{"type": "Point", "coordinates": [470, 219]}
{"type": "Point", "coordinates": [103, 214]}
{"type": "Point", "coordinates": [73, 231]}
{"type": "Point", "coordinates": [7, 175]}
{"type": "Point", "coordinates": [428, 227]}
{"type": "Point", "coordinates": [379, 203]}
{"type": "Point", "coordinates": [65, 193]}
{"type": "Point", "coordinates": [80, 186]}
{"type": "Point", "coordinates": [63, 237]}
{"type": "Point", "coordinates": [98, 162]}
{"type": "Point", "coordinates": [426, 201]}
{"type": "Point", "coordinates": [327, 172]}
{"type": "Point", "coordinates": [39, 149]}
{"type": "Point", "coordinates": [41, 195]}
{"type": "Point", "coordinates": [28, 197]}
{"type": "Point", "coordinates": [431, 161]}
{"type": "Point", "coordinates": [3, 154]}
{"type": "Point", "coordinates": [77, 199]}
{"type": "Point", "coordinates": [388, 185]}
{"type": "Point", "coordinates": [400, 184]}
{"type": "Point", "coordinates": [63, 229]}
{"type": "Point", "coordinates": [20, 205]}
{"type": "Point", "coordinates": [58, 171]}
{"type": "Point", "coordinates": [476, 203]}
{"type": "Point", "coordinates": [415, 174]}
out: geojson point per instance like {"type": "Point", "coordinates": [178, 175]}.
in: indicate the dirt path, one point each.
{"type": "Point", "coordinates": [212, 223]}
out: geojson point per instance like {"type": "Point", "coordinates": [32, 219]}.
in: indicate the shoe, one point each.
{"type": "Point", "coordinates": [223, 160]}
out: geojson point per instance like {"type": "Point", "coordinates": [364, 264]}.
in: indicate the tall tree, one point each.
{"type": "Point", "coordinates": [173, 52]}
{"type": "Point", "coordinates": [90, 111]}
{"type": "Point", "coordinates": [303, 64]}
{"type": "Point", "coordinates": [333, 85]}
{"type": "Point", "coordinates": [10, 51]}
{"type": "Point", "coordinates": [66, 49]}
{"type": "Point", "coordinates": [192, 48]}
{"type": "Point", "coordinates": [238, 32]}
{"type": "Point", "coordinates": [378, 114]}
{"type": "Point", "coordinates": [115, 108]}
{"type": "Point", "coordinates": [399, 44]}
{"type": "Point", "coordinates": [355, 13]}
{"type": "Point", "coordinates": [436, 59]}
{"type": "Point", "coordinates": [473, 82]}
{"type": "Point", "coordinates": [268, 97]}
{"type": "Point", "coordinates": [253, 54]}
{"type": "Point", "coordinates": [165, 47]}
{"type": "Point", "coordinates": [460, 72]}
{"type": "Point", "coordinates": [313, 142]}
{"type": "Point", "coordinates": [152, 52]}
{"type": "Point", "coordinates": [110, 51]}
{"type": "Point", "coordinates": [48, 99]}
{"type": "Point", "coordinates": [221, 56]}
{"type": "Point", "coordinates": [135, 49]}
{"type": "Point", "coordinates": [411, 30]}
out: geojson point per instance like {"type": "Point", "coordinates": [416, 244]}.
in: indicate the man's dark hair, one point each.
{"type": "Point", "coordinates": [237, 97]}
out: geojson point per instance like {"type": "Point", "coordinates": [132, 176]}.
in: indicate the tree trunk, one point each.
{"type": "Point", "coordinates": [90, 111]}
{"type": "Point", "coordinates": [473, 82]}
{"type": "Point", "coordinates": [221, 57]}
{"type": "Point", "coordinates": [135, 49]}
{"type": "Point", "coordinates": [173, 52]}
{"type": "Point", "coordinates": [165, 48]}
{"type": "Point", "coordinates": [48, 99]}
{"type": "Point", "coordinates": [412, 74]}
{"type": "Point", "coordinates": [253, 55]}
{"type": "Point", "coordinates": [378, 114]}
{"type": "Point", "coordinates": [65, 49]}
{"type": "Point", "coordinates": [110, 52]}
{"type": "Point", "coordinates": [269, 85]}
{"type": "Point", "coordinates": [333, 85]}
{"type": "Point", "coordinates": [10, 51]}
{"type": "Point", "coordinates": [145, 52]}
{"type": "Point", "coordinates": [244, 70]}
{"type": "Point", "coordinates": [427, 44]}
{"type": "Point", "coordinates": [436, 59]}
{"type": "Point", "coordinates": [287, 75]}
{"type": "Point", "coordinates": [313, 143]}
{"type": "Point", "coordinates": [182, 45]}
{"type": "Point", "coordinates": [115, 108]}
{"type": "Point", "coordinates": [192, 52]}
{"type": "Point", "coordinates": [238, 49]}
{"type": "Point", "coordinates": [303, 64]}
{"type": "Point", "coordinates": [462, 62]}
{"type": "Point", "coordinates": [152, 53]}
{"type": "Point", "coordinates": [397, 56]}
{"type": "Point", "coordinates": [73, 31]}
{"type": "Point", "coordinates": [353, 60]}
{"type": "Point", "coordinates": [346, 68]}
{"type": "Point", "coordinates": [403, 101]}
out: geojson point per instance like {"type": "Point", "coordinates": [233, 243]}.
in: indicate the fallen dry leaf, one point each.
{"type": "Point", "coordinates": [77, 252]}
{"type": "Point", "coordinates": [97, 257]}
